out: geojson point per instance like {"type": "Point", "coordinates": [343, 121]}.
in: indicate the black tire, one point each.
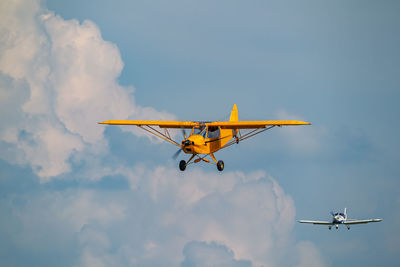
{"type": "Point", "coordinates": [182, 165]}
{"type": "Point", "coordinates": [220, 165]}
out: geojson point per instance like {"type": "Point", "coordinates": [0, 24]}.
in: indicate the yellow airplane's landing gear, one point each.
{"type": "Point", "coordinates": [220, 165]}
{"type": "Point", "coordinates": [182, 165]}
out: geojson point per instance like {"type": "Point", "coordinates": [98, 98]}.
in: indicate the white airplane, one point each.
{"type": "Point", "coordinates": [340, 218]}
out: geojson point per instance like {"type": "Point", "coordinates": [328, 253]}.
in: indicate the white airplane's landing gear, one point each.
{"type": "Point", "coordinates": [220, 165]}
{"type": "Point", "coordinates": [182, 165]}
{"type": "Point", "coordinates": [337, 226]}
{"type": "Point", "coordinates": [330, 227]}
{"type": "Point", "coordinates": [348, 227]}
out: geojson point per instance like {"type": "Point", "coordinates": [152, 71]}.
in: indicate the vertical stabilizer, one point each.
{"type": "Point", "coordinates": [234, 114]}
{"type": "Point", "coordinates": [345, 213]}
{"type": "Point", "coordinates": [228, 134]}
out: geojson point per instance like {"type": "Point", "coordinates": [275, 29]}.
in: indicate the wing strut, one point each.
{"type": "Point", "coordinates": [247, 135]}
{"type": "Point", "coordinates": [159, 134]}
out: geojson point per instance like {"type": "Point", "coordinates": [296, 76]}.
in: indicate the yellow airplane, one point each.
{"type": "Point", "coordinates": [205, 138]}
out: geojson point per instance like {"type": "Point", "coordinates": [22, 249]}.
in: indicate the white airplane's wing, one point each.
{"type": "Point", "coordinates": [316, 222]}
{"type": "Point", "coordinates": [361, 221]}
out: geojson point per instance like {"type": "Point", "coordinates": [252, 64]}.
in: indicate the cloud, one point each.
{"type": "Point", "coordinates": [58, 78]}
{"type": "Point", "coordinates": [49, 227]}
{"type": "Point", "coordinates": [165, 217]}
{"type": "Point", "coordinates": [309, 255]}
{"type": "Point", "coordinates": [210, 254]}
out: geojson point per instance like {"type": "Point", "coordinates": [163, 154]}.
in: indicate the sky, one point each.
{"type": "Point", "coordinates": [75, 193]}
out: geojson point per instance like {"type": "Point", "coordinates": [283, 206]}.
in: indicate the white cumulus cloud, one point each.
{"type": "Point", "coordinates": [210, 254]}
{"type": "Point", "coordinates": [58, 78]}
{"type": "Point", "coordinates": [233, 219]}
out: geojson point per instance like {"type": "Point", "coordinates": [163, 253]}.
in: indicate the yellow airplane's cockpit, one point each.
{"type": "Point", "coordinates": [202, 140]}
{"type": "Point", "coordinates": [207, 131]}
{"type": "Point", "coordinates": [213, 132]}
{"type": "Point", "coordinates": [202, 130]}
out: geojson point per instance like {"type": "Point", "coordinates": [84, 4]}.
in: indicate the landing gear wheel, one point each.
{"type": "Point", "coordinates": [220, 165]}
{"type": "Point", "coordinates": [182, 165]}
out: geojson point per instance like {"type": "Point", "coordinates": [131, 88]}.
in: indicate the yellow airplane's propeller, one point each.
{"type": "Point", "coordinates": [184, 143]}
{"type": "Point", "coordinates": [176, 154]}
{"type": "Point", "coordinates": [184, 133]}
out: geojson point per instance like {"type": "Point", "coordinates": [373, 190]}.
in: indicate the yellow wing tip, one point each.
{"type": "Point", "coordinates": [298, 122]}
{"type": "Point", "coordinates": [305, 123]}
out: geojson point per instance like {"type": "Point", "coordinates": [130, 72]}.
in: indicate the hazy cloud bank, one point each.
{"type": "Point", "coordinates": [163, 218]}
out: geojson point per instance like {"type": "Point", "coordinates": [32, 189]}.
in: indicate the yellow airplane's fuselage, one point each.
{"type": "Point", "coordinates": [201, 145]}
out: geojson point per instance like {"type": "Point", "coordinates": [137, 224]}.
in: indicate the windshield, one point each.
{"type": "Point", "coordinates": [200, 131]}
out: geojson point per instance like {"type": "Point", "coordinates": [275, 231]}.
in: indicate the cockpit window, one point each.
{"type": "Point", "coordinates": [213, 132]}
{"type": "Point", "coordinates": [200, 131]}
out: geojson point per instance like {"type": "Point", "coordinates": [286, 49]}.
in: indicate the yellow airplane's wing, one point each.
{"type": "Point", "coordinates": [253, 124]}
{"type": "Point", "coordinates": [161, 124]}
{"type": "Point", "coordinates": [191, 124]}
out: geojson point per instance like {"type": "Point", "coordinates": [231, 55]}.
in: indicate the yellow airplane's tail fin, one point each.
{"type": "Point", "coordinates": [228, 134]}
{"type": "Point", "coordinates": [234, 114]}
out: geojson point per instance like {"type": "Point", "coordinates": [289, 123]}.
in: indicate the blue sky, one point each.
{"type": "Point", "coordinates": [76, 193]}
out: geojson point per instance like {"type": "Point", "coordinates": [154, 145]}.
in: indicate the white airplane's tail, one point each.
{"type": "Point", "coordinates": [345, 213]}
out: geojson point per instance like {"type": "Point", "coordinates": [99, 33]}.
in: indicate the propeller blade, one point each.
{"type": "Point", "coordinates": [333, 214]}
{"type": "Point", "coordinates": [176, 154]}
{"type": "Point", "coordinates": [184, 133]}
